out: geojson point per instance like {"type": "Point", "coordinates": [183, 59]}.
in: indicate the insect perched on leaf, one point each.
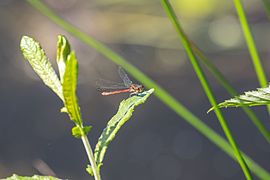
{"type": "Point", "coordinates": [109, 88]}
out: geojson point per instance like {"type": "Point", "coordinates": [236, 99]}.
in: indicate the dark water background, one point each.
{"type": "Point", "coordinates": [155, 144]}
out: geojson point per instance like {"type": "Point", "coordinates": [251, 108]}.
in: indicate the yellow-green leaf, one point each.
{"type": "Point", "coordinates": [123, 114]}
{"type": "Point", "coordinates": [63, 50]}
{"type": "Point", "coordinates": [35, 177]}
{"type": "Point", "coordinates": [250, 98]}
{"type": "Point", "coordinates": [78, 132]}
{"type": "Point", "coordinates": [35, 55]}
{"type": "Point", "coordinates": [70, 87]}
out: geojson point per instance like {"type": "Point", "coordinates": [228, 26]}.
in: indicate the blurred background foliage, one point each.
{"type": "Point", "coordinates": [35, 136]}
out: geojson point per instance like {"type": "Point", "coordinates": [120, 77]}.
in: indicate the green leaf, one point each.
{"type": "Point", "coordinates": [35, 177]}
{"type": "Point", "coordinates": [123, 114]}
{"type": "Point", "coordinates": [63, 50]}
{"type": "Point", "coordinates": [63, 110]}
{"type": "Point", "coordinates": [87, 129]}
{"type": "Point", "coordinates": [69, 89]}
{"type": "Point", "coordinates": [33, 52]}
{"type": "Point", "coordinates": [250, 98]}
{"type": "Point", "coordinates": [90, 170]}
{"type": "Point", "coordinates": [78, 132]}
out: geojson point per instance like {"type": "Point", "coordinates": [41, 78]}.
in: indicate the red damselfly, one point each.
{"type": "Point", "coordinates": [109, 88]}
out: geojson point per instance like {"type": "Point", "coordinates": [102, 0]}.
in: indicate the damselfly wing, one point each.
{"type": "Point", "coordinates": [109, 88]}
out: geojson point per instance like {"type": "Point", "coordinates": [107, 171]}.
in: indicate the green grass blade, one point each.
{"type": "Point", "coordinates": [266, 4]}
{"type": "Point", "coordinates": [196, 66]}
{"type": "Point", "coordinates": [251, 45]}
{"type": "Point", "coordinates": [223, 81]}
{"type": "Point", "coordinates": [36, 56]}
{"type": "Point", "coordinates": [69, 89]}
{"type": "Point", "coordinates": [162, 94]}
{"type": "Point", "coordinates": [63, 50]}
{"type": "Point", "coordinates": [35, 177]}
{"type": "Point", "coordinates": [123, 114]}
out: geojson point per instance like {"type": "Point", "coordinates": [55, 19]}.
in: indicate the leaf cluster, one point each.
{"type": "Point", "coordinates": [65, 88]}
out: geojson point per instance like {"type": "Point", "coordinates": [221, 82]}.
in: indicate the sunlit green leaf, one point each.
{"type": "Point", "coordinates": [78, 132]}
{"type": "Point", "coordinates": [123, 115]}
{"type": "Point", "coordinates": [63, 50]}
{"type": "Point", "coordinates": [63, 110]}
{"type": "Point", "coordinates": [87, 129]}
{"type": "Point", "coordinates": [35, 177]}
{"type": "Point", "coordinates": [33, 52]}
{"type": "Point", "coordinates": [249, 98]}
{"type": "Point", "coordinates": [69, 89]}
{"type": "Point", "coordinates": [90, 170]}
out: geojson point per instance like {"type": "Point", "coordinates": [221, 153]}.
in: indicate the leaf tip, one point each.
{"type": "Point", "coordinates": [24, 37]}
{"type": "Point", "coordinates": [209, 110]}
{"type": "Point", "coordinates": [24, 40]}
{"type": "Point", "coordinates": [151, 90]}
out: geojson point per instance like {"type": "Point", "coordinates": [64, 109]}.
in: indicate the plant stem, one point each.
{"type": "Point", "coordinates": [251, 45]}
{"type": "Point", "coordinates": [196, 66]}
{"type": "Point", "coordinates": [91, 157]}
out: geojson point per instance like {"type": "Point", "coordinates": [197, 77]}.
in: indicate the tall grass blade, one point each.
{"type": "Point", "coordinates": [212, 68]}
{"type": "Point", "coordinates": [266, 4]}
{"type": "Point", "coordinates": [196, 66]}
{"type": "Point", "coordinates": [251, 45]}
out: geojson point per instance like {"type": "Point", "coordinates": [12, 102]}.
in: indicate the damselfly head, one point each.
{"type": "Point", "coordinates": [141, 88]}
